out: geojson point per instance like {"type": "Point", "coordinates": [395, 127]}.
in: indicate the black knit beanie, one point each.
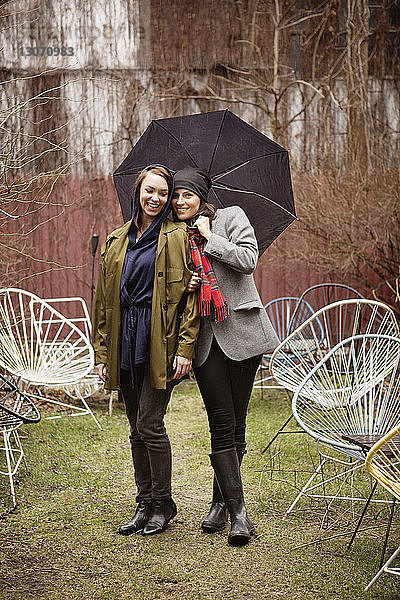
{"type": "Point", "coordinates": [195, 180]}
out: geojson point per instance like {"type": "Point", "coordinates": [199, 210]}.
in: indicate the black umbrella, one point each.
{"type": "Point", "coordinates": [247, 168]}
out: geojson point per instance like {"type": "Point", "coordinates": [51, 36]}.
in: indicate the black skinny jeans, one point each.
{"type": "Point", "coordinates": [150, 445]}
{"type": "Point", "coordinates": [225, 386]}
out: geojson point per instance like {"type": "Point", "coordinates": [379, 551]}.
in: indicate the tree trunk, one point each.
{"type": "Point", "coordinates": [358, 117]}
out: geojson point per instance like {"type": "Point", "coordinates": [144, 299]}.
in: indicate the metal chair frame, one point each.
{"type": "Point", "coordinates": [314, 298]}
{"type": "Point", "coordinates": [383, 464]}
{"type": "Point", "coordinates": [43, 349]}
{"type": "Point", "coordinates": [283, 323]}
{"type": "Point", "coordinates": [91, 383]}
{"type": "Point", "coordinates": [301, 351]}
{"type": "Point", "coordinates": [322, 294]}
{"type": "Point", "coordinates": [354, 390]}
{"type": "Point", "coordinates": [280, 311]}
{"type": "Point", "coordinates": [15, 409]}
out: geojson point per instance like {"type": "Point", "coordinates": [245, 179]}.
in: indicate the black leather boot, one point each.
{"type": "Point", "coordinates": [139, 519]}
{"type": "Point", "coordinates": [162, 511]}
{"type": "Point", "coordinates": [227, 470]}
{"type": "Point", "coordinates": [218, 514]}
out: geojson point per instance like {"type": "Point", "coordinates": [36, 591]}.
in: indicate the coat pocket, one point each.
{"type": "Point", "coordinates": [175, 284]}
{"type": "Point", "coordinates": [249, 304]}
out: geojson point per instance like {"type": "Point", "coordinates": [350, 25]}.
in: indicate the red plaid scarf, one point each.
{"type": "Point", "coordinates": [211, 299]}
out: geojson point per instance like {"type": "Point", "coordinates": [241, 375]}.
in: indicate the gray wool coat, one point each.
{"type": "Point", "coordinates": [233, 252]}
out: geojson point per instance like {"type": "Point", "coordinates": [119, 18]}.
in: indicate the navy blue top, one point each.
{"type": "Point", "coordinates": [137, 288]}
{"type": "Point", "coordinates": [136, 296]}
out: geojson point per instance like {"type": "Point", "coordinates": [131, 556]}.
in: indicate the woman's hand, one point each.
{"type": "Point", "coordinates": [203, 225]}
{"type": "Point", "coordinates": [194, 282]}
{"type": "Point", "coordinates": [181, 366]}
{"type": "Point", "coordinates": [102, 371]}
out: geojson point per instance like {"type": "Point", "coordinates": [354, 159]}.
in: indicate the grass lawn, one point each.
{"type": "Point", "coordinates": [61, 541]}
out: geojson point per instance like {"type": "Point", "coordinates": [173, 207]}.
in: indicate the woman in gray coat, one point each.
{"type": "Point", "coordinates": [234, 333]}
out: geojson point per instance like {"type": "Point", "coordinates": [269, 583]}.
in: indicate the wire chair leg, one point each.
{"type": "Point", "coordinates": [304, 489]}
{"type": "Point", "coordinates": [8, 450]}
{"type": "Point", "coordinates": [343, 479]}
{"type": "Point", "coordinates": [360, 520]}
{"type": "Point", "coordinates": [89, 410]}
{"type": "Point", "coordinates": [383, 568]}
{"type": "Point", "coordinates": [262, 377]}
{"type": "Point", "coordinates": [20, 449]}
{"type": "Point", "coordinates": [277, 433]}
{"type": "Point", "coordinates": [389, 525]}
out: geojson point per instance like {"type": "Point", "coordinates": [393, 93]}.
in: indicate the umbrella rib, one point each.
{"type": "Point", "coordinates": [218, 198]}
{"type": "Point", "coordinates": [223, 173]}
{"type": "Point", "coordinates": [179, 142]}
{"type": "Point", "coordinates": [134, 171]}
{"type": "Point", "coordinates": [233, 189]}
{"type": "Point", "coordinates": [218, 139]}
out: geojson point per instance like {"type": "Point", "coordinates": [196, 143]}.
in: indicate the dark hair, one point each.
{"type": "Point", "coordinates": [206, 209]}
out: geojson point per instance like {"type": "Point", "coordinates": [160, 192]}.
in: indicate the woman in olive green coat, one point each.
{"type": "Point", "coordinates": [145, 327]}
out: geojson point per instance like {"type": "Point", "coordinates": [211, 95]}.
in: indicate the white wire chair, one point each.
{"type": "Point", "coordinates": [304, 348]}
{"type": "Point", "coordinates": [383, 463]}
{"type": "Point", "coordinates": [15, 409]}
{"type": "Point", "coordinates": [76, 311]}
{"type": "Point", "coordinates": [322, 294]}
{"type": "Point", "coordinates": [353, 393]}
{"type": "Point", "coordinates": [42, 348]}
{"type": "Point", "coordinates": [280, 312]}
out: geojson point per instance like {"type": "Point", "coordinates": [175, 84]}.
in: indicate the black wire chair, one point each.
{"type": "Point", "coordinates": [16, 408]}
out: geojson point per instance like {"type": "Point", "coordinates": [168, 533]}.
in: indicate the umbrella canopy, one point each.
{"type": "Point", "coordinates": [247, 168]}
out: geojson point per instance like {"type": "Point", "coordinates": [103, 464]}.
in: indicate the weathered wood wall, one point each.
{"type": "Point", "coordinates": [127, 53]}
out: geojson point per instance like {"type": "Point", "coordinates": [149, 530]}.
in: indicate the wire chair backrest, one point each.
{"type": "Point", "coordinates": [15, 406]}
{"type": "Point", "coordinates": [280, 312]}
{"type": "Point", "coordinates": [322, 294]}
{"type": "Point", "coordinates": [383, 461]}
{"type": "Point", "coordinates": [353, 391]}
{"type": "Point", "coordinates": [38, 344]}
{"type": "Point", "coordinates": [75, 310]}
{"type": "Point", "coordinates": [302, 350]}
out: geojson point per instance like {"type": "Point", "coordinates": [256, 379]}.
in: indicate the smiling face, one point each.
{"type": "Point", "coordinates": [185, 204]}
{"type": "Point", "coordinates": [153, 196]}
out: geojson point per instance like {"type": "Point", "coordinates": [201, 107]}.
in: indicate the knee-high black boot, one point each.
{"type": "Point", "coordinates": [218, 514]}
{"type": "Point", "coordinates": [227, 470]}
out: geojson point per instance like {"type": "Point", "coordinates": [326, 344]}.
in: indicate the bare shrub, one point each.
{"type": "Point", "coordinates": [349, 228]}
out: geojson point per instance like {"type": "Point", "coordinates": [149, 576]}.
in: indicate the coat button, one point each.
{"type": "Point", "coordinates": [165, 307]}
{"type": "Point", "coordinates": [160, 274]}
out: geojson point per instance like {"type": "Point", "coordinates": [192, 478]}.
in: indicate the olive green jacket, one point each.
{"type": "Point", "coordinates": [173, 332]}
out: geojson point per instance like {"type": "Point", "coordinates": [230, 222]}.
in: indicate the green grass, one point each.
{"type": "Point", "coordinates": [61, 541]}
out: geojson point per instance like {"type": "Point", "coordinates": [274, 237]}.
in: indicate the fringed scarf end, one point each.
{"type": "Point", "coordinates": [221, 313]}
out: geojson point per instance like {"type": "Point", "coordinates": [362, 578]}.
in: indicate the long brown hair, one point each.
{"type": "Point", "coordinates": [206, 209]}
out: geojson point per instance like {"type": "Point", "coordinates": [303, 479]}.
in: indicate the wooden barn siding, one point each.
{"type": "Point", "coordinates": [63, 245]}
{"type": "Point", "coordinates": [128, 53]}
